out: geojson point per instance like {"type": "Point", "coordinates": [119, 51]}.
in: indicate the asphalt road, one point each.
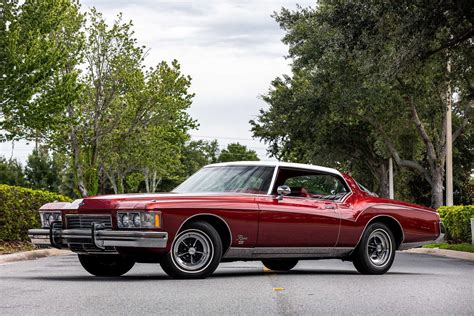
{"type": "Point", "coordinates": [416, 284]}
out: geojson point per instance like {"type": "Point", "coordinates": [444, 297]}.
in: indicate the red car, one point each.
{"type": "Point", "coordinates": [275, 212]}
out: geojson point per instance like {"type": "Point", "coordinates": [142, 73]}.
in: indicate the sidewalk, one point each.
{"type": "Point", "coordinates": [443, 253]}
{"type": "Point", "coordinates": [31, 255]}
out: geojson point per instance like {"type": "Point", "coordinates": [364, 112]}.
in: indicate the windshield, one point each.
{"type": "Point", "coordinates": [245, 179]}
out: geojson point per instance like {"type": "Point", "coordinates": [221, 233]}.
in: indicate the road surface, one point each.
{"type": "Point", "coordinates": [416, 284]}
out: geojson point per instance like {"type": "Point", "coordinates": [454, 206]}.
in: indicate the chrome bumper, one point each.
{"type": "Point", "coordinates": [100, 239]}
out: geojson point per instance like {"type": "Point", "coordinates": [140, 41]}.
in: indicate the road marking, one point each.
{"type": "Point", "coordinates": [278, 289]}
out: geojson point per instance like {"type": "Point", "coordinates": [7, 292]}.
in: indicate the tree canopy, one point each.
{"type": "Point", "coordinates": [370, 81]}
{"type": "Point", "coordinates": [237, 152]}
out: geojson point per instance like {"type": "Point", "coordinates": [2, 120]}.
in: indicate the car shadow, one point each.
{"type": "Point", "coordinates": [216, 275]}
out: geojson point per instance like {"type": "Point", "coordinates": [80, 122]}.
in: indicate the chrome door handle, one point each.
{"type": "Point", "coordinates": [331, 207]}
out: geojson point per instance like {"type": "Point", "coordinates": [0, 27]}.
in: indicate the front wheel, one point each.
{"type": "Point", "coordinates": [106, 265]}
{"type": "Point", "coordinates": [280, 264]}
{"type": "Point", "coordinates": [376, 250]}
{"type": "Point", "coordinates": [195, 253]}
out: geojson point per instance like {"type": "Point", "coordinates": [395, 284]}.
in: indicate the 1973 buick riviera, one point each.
{"type": "Point", "coordinates": [275, 212]}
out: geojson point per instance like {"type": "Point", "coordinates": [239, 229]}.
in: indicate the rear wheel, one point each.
{"type": "Point", "coordinates": [376, 250]}
{"type": "Point", "coordinates": [280, 264]}
{"type": "Point", "coordinates": [195, 253]}
{"type": "Point", "coordinates": [106, 265]}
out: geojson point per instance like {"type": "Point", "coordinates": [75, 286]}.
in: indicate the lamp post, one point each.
{"type": "Point", "coordinates": [449, 143]}
{"type": "Point", "coordinates": [390, 178]}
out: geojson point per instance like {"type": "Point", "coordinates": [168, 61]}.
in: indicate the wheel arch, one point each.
{"type": "Point", "coordinates": [217, 222]}
{"type": "Point", "coordinates": [392, 223]}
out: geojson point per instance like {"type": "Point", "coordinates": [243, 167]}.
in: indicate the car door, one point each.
{"type": "Point", "coordinates": [297, 222]}
{"type": "Point", "coordinates": [305, 218]}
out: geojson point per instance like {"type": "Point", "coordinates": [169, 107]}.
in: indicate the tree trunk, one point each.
{"type": "Point", "coordinates": [437, 187]}
{"type": "Point", "coordinates": [76, 157]}
{"type": "Point", "coordinates": [113, 181]}
{"type": "Point", "coordinates": [147, 181]}
{"type": "Point", "coordinates": [382, 177]}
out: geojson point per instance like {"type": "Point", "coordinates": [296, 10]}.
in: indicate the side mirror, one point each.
{"type": "Point", "coordinates": [283, 190]}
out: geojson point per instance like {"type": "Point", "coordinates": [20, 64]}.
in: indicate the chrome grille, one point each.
{"type": "Point", "coordinates": [85, 221]}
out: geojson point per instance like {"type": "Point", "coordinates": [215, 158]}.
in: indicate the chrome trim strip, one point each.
{"type": "Point", "coordinates": [396, 205]}
{"type": "Point", "coordinates": [287, 252]}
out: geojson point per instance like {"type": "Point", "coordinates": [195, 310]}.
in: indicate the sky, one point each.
{"type": "Point", "coordinates": [232, 49]}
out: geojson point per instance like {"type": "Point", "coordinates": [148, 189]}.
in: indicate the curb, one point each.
{"type": "Point", "coordinates": [443, 253]}
{"type": "Point", "coordinates": [33, 254]}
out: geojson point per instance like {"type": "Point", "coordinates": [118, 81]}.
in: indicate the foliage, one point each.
{"type": "Point", "coordinates": [41, 171]}
{"type": "Point", "coordinates": [14, 246]}
{"type": "Point", "coordinates": [128, 120]}
{"type": "Point", "coordinates": [197, 154]}
{"type": "Point", "coordinates": [38, 41]}
{"type": "Point", "coordinates": [237, 152]}
{"type": "Point", "coordinates": [369, 82]}
{"type": "Point", "coordinates": [457, 220]}
{"type": "Point", "coordinates": [11, 172]}
{"type": "Point", "coordinates": [19, 210]}
{"type": "Point", "coordinates": [458, 247]}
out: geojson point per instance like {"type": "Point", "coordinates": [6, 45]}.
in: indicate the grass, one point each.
{"type": "Point", "coordinates": [7, 247]}
{"type": "Point", "coordinates": [458, 247]}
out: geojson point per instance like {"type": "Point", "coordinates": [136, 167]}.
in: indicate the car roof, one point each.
{"type": "Point", "coordinates": [277, 164]}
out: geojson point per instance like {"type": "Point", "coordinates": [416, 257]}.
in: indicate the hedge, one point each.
{"type": "Point", "coordinates": [457, 220]}
{"type": "Point", "coordinates": [19, 210]}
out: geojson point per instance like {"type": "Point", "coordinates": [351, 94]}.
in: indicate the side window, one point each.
{"type": "Point", "coordinates": [315, 186]}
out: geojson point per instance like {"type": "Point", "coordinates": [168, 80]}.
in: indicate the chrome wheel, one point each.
{"type": "Point", "coordinates": [192, 251]}
{"type": "Point", "coordinates": [379, 247]}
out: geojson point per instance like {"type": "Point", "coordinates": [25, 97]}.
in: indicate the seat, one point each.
{"type": "Point", "coordinates": [299, 192]}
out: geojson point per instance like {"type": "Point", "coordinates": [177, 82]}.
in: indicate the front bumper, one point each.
{"type": "Point", "coordinates": [96, 239]}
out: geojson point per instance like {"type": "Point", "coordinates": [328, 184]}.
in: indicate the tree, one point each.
{"type": "Point", "coordinates": [41, 171]}
{"type": "Point", "coordinates": [237, 152]}
{"type": "Point", "coordinates": [36, 40]}
{"type": "Point", "coordinates": [381, 66]}
{"type": "Point", "coordinates": [11, 172]}
{"type": "Point", "coordinates": [197, 154]}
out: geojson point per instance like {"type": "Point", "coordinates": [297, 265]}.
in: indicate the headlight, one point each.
{"type": "Point", "coordinates": [139, 219]}
{"type": "Point", "coordinates": [125, 220]}
{"type": "Point", "coordinates": [47, 218]}
{"type": "Point", "coordinates": [136, 220]}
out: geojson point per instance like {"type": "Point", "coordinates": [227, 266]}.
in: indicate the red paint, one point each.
{"type": "Point", "coordinates": [263, 221]}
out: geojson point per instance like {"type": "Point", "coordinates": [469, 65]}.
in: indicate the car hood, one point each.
{"type": "Point", "coordinates": [148, 201]}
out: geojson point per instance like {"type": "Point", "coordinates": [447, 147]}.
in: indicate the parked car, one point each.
{"type": "Point", "coordinates": [275, 212]}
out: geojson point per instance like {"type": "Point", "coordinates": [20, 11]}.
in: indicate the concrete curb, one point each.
{"type": "Point", "coordinates": [33, 254]}
{"type": "Point", "coordinates": [443, 253]}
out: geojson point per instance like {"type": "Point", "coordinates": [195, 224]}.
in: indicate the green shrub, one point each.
{"type": "Point", "coordinates": [19, 210]}
{"type": "Point", "coordinates": [457, 220]}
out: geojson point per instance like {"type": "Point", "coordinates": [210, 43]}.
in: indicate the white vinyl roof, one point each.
{"type": "Point", "coordinates": [276, 164]}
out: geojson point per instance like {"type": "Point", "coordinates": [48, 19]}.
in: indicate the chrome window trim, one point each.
{"type": "Point", "coordinates": [337, 175]}
{"type": "Point", "coordinates": [272, 183]}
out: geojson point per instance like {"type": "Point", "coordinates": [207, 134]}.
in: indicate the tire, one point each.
{"type": "Point", "coordinates": [280, 264]}
{"type": "Point", "coordinates": [106, 265]}
{"type": "Point", "coordinates": [376, 250]}
{"type": "Point", "coordinates": [195, 253]}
